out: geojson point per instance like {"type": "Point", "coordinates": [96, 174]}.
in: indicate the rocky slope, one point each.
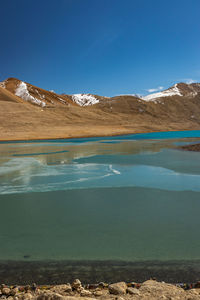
{"type": "Point", "coordinates": [29, 112]}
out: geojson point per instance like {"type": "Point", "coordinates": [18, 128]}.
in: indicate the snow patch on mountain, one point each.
{"type": "Point", "coordinates": [22, 92]}
{"type": "Point", "coordinates": [84, 99]}
{"type": "Point", "coordinates": [174, 90]}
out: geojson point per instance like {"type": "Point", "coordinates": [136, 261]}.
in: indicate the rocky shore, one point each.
{"type": "Point", "coordinates": [150, 289]}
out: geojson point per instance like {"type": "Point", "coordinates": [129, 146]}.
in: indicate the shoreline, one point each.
{"type": "Point", "coordinates": [79, 136]}
{"type": "Point", "coordinates": [89, 136]}
{"type": "Point", "coordinates": [58, 272]}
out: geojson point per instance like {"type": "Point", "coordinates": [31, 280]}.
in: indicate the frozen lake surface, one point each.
{"type": "Point", "coordinates": [128, 198]}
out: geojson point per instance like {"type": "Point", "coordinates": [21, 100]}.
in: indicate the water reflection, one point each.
{"type": "Point", "coordinates": [35, 167]}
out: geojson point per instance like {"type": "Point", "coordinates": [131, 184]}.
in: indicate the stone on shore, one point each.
{"type": "Point", "coordinates": [50, 296]}
{"type": "Point", "coordinates": [85, 293]}
{"type": "Point", "coordinates": [118, 288]}
{"type": "Point", "coordinates": [5, 291]}
{"type": "Point", "coordinates": [27, 296]}
{"type": "Point", "coordinates": [62, 289]}
{"type": "Point", "coordinates": [97, 293]}
{"type": "Point", "coordinates": [14, 291]}
{"type": "Point", "coordinates": [157, 289]}
{"type": "Point", "coordinates": [133, 291]}
{"type": "Point", "coordinates": [76, 285]}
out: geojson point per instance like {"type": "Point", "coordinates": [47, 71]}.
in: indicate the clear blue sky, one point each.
{"type": "Point", "coordinates": [105, 47]}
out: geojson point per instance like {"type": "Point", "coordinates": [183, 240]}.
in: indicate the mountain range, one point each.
{"type": "Point", "coordinates": [30, 112]}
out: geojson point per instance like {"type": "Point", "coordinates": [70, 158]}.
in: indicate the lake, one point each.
{"type": "Point", "coordinates": [111, 202]}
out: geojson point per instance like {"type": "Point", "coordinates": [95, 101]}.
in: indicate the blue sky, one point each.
{"type": "Point", "coordinates": [105, 47]}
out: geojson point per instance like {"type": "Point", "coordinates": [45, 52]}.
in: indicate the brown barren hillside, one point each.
{"type": "Point", "coordinates": [29, 112]}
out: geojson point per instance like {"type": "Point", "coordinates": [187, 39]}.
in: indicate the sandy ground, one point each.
{"type": "Point", "coordinates": [23, 121]}
{"type": "Point", "coordinates": [75, 131]}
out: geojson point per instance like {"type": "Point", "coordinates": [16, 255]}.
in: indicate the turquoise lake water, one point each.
{"type": "Point", "coordinates": [130, 198]}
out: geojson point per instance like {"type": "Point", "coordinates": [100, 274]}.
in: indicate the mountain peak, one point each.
{"type": "Point", "coordinates": [32, 94]}
{"type": "Point", "coordinates": [12, 79]}
{"type": "Point", "coordinates": [180, 89]}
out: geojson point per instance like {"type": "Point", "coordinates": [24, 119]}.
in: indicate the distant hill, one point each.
{"type": "Point", "coordinates": [30, 112]}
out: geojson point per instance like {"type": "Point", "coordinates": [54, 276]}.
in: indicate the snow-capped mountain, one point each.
{"type": "Point", "coordinates": [179, 89]}
{"type": "Point", "coordinates": [33, 94]}
{"type": "Point", "coordinates": [43, 98]}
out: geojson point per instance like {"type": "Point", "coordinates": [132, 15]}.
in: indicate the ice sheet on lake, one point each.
{"type": "Point", "coordinates": [25, 174]}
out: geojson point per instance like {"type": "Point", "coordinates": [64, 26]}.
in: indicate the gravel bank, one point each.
{"type": "Point", "coordinates": [150, 289]}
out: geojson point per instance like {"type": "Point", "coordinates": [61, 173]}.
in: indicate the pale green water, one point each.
{"type": "Point", "coordinates": [123, 199]}
{"type": "Point", "coordinates": [110, 224]}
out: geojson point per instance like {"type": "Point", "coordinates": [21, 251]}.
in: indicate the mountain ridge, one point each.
{"type": "Point", "coordinates": [30, 112]}
{"type": "Point", "coordinates": [22, 89]}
